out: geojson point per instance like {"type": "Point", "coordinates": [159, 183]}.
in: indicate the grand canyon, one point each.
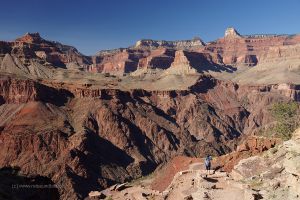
{"type": "Point", "coordinates": [136, 122]}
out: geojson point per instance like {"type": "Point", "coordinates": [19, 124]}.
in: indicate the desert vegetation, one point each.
{"type": "Point", "coordinates": [287, 119]}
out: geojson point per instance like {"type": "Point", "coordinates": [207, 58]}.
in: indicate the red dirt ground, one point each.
{"type": "Point", "coordinates": [165, 176]}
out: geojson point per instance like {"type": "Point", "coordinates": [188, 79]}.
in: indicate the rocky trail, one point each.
{"type": "Point", "coordinates": [193, 183]}
{"type": "Point", "coordinates": [196, 184]}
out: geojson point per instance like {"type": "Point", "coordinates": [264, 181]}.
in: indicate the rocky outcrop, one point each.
{"type": "Point", "coordinates": [276, 173]}
{"type": "Point", "coordinates": [30, 38]}
{"type": "Point", "coordinates": [289, 90]}
{"type": "Point", "coordinates": [118, 63]}
{"type": "Point", "coordinates": [238, 50]}
{"type": "Point", "coordinates": [251, 146]}
{"type": "Point", "coordinates": [180, 44]}
{"type": "Point", "coordinates": [231, 33]}
{"type": "Point", "coordinates": [187, 62]}
{"type": "Point", "coordinates": [181, 64]}
{"type": "Point", "coordinates": [17, 91]}
{"type": "Point", "coordinates": [32, 48]}
{"type": "Point", "coordinates": [161, 58]}
{"type": "Point", "coordinates": [286, 56]}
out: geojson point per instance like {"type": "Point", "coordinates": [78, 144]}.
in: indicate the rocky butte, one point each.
{"type": "Point", "coordinates": [87, 123]}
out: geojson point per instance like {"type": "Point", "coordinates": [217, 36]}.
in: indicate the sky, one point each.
{"type": "Point", "coordinates": [93, 25]}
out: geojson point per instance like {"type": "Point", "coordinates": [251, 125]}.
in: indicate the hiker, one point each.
{"type": "Point", "coordinates": [208, 163]}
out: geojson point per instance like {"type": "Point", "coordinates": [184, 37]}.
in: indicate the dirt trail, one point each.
{"type": "Point", "coordinates": [193, 183]}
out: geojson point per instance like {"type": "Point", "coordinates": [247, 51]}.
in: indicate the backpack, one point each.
{"type": "Point", "coordinates": [207, 161]}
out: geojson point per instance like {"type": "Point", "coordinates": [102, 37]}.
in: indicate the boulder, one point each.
{"type": "Point", "coordinates": [121, 187]}
{"type": "Point", "coordinates": [96, 195]}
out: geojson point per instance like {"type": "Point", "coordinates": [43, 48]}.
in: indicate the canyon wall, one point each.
{"type": "Point", "coordinates": [86, 139]}
{"type": "Point", "coordinates": [234, 50]}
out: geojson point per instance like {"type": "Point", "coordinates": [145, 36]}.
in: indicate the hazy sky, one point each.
{"type": "Point", "coordinates": [92, 25]}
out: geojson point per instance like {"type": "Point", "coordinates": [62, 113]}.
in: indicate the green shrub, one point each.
{"type": "Point", "coordinates": [286, 115]}
{"type": "Point", "coordinates": [284, 111]}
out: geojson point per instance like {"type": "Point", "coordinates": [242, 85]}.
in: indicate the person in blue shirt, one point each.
{"type": "Point", "coordinates": [207, 163]}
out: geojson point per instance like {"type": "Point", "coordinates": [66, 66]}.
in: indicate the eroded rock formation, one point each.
{"type": "Point", "coordinates": [276, 173]}
{"type": "Point", "coordinates": [233, 50]}
{"type": "Point", "coordinates": [86, 139]}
